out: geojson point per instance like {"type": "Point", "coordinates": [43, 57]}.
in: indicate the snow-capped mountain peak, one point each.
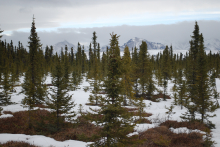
{"type": "Point", "coordinates": [136, 42]}
{"type": "Point", "coordinates": [57, 47]}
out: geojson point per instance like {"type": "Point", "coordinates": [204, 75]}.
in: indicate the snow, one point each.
{"type": "Point", "coordinates": [40, 140]}
{"type": "Point", "coordinates": [143, 127]}
{"type": "Point", "coordinates": [158, 110]}
{"type": "Point", "coordinates": [185, 130]}
{"type": "Point", "coordinates": [6, 115]}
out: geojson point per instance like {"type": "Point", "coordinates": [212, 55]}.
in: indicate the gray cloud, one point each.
{"type": "Point", "coordinates": [55, 13]}
{"type": "Point", "coordinates": [168, 34]}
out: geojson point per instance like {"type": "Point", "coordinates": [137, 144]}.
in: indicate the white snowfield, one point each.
{"type": "Point", "coordinates": [80, 97]}
{"type": "Point", "coordinates": [40, 140]}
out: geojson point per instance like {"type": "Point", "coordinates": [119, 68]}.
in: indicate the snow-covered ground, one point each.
{"type": "Point", "coordinates": [81, 97]}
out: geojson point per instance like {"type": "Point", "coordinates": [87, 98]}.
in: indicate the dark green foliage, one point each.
{"type": "Point", "coordinates": [135, 71]}
{"type": "Point", "coordinates": [33, 85]}
{"type": "Point", "coordinates": [198, 81]}
{"type": "Point", "coordinates": [213, 87]}
{"type": "Point", "coordinates": [203, 101]}
{"type": "Point", "coordinates": [116, 120]}
{"type": "Point", "coordinates": [143, 64]}
{"type": "Point", "coordinates": [66, 69]}
{"type": "Point", "coordinates": [127, 84]}
{"type": "Point", "coordinates": [193, 75]}
{"type": "Point", "coordinates": [60, 101]}
{"type": "Point", "coordinates": [95, 81]}
{"type": "Point", "coordinates": [170, 111]}
{"type": "Point", "coordinates": [141, 105]}
{"type": "Point", "coordinates": [5, 97]}
{"type": "Point", "coordinates": [165, 69]}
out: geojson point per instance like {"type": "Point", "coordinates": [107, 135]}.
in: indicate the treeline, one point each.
{"type": "Point", "coordinates": [125, 79]}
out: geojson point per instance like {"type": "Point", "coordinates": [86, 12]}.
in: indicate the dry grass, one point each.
{"type": "Point", "coordinates": [134, 112]}
{"type": "Point", "coordinates": [145, 114]}
{"type": "Point", "coordinates": [16, 144]}
{"type": "Point", "coordinates": [82, 130]}
{"type": "Point", "coordinates": [7, 112]}
{"type": "Point", "coordinates": [154, 97]}
{"type": "Point", "coordinates": [131, 109]}
{"type": "Point", "coordinates": [160, 95]}
{"type": "Point", "coordinates": [143, 120]}
{"type": "Point", "coordinates": [190, 125]}
{"type": "Point", "coordinates": [43, 123]}
{"type": "Point", "coordinates": [163, 137]}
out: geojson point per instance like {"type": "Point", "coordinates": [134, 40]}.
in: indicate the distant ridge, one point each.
{"type": "Point", "coordinates": [210, 44]}
{"type": "Point", "coordinates": [136, 42]}
{"type": "Point", "coordinates": [57, 47]}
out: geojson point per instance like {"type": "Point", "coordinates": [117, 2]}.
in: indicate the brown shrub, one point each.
{"type": "Point", "coordinates": [163, 137]}
{"type": "Point", "coordinates": [15, 125]}
{"type": "Point", "coordinates": [190, 125]}
{"type": "Point", "coordinates": [82, 133]}
{"type": "Point", "coordinates": [7, 112]}
{"type": "Point", "coordinates": [19, 123]}
{"type": "Point", "coordinates": [44, 124]}
{"type": "Point", "coordinates": [145, 114]}
{"type": "Point", "coordinates": [131, 109]}
{"type": "Point", "coordinates": [143, 120]}
{"type": "Point", "coordinates": [160, 95]}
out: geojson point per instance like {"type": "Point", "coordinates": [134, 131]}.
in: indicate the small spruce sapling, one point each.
{"type": "Point", "coordinates": [80, 110]}
{"type": "Point", "coordinates": [1, 110]}
{"type": "Point", "coordinates": [141, 105]}
{"type": "Point", "coordinates": [208, 139]}
{"type": "Point", "coordinates": [170, 111]}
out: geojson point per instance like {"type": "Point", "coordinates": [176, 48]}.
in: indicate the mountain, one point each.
{"type": "Point", "coordinates": [57, 47]}
{"type": "Point", "coordinates": [136, 42]}
{"type": "Point", "coordinates": [210, 44]}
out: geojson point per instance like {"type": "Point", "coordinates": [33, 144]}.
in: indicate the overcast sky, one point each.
{"type": "Point", "coordinates": [75, 20]}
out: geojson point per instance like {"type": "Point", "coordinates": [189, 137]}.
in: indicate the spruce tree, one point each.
{"type": "Point", "coordinates": [150, 83]}
{"type": "Point", "coordinates": [90, 61]}
{"type": "Point", "coordinates": [203, 100]}
{"type": "Point", "coordinates": [135, 71]}
{"type": "Point", "coordinates": [140, 104]}
{"type": "Point", "coordinates": [60, 102]}
{"type": "Point", "coordinates": [213, 87]}
{"type": "Point", "coordinates": [191, 73]}
{"type": "Point", "coordinates": [165, 70]}
{"type": "Point", "coordinates": [33, 87]}
{"type": "Point", "coordinates": [0, 33]}
{"type": "Point", "coordinates": [197, 77]}
{"type": "Point", "coordinates": [182, 96]}
{"type": "Point", "coordinates": [116, 121]}
{"type": "Point", "coordinates": [126, 77]}
{"type": "Point", "coordinates": [194, 49]}
{"type": "Point", "coordinates": [104, 64]}
{"type": "Point", "coordinates": [2, 51]}
{"type": "Point", "coordinates": [66, 68]}
{"type": "Point", "coordinates": [143, 68]}
{"type": "Point", "coordinates": [95, 83]}
{"type": "Point", "coordinates": [5, 97]}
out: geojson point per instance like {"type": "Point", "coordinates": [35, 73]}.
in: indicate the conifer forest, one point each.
{"type": "Point", "coordinates": [123, 92]}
